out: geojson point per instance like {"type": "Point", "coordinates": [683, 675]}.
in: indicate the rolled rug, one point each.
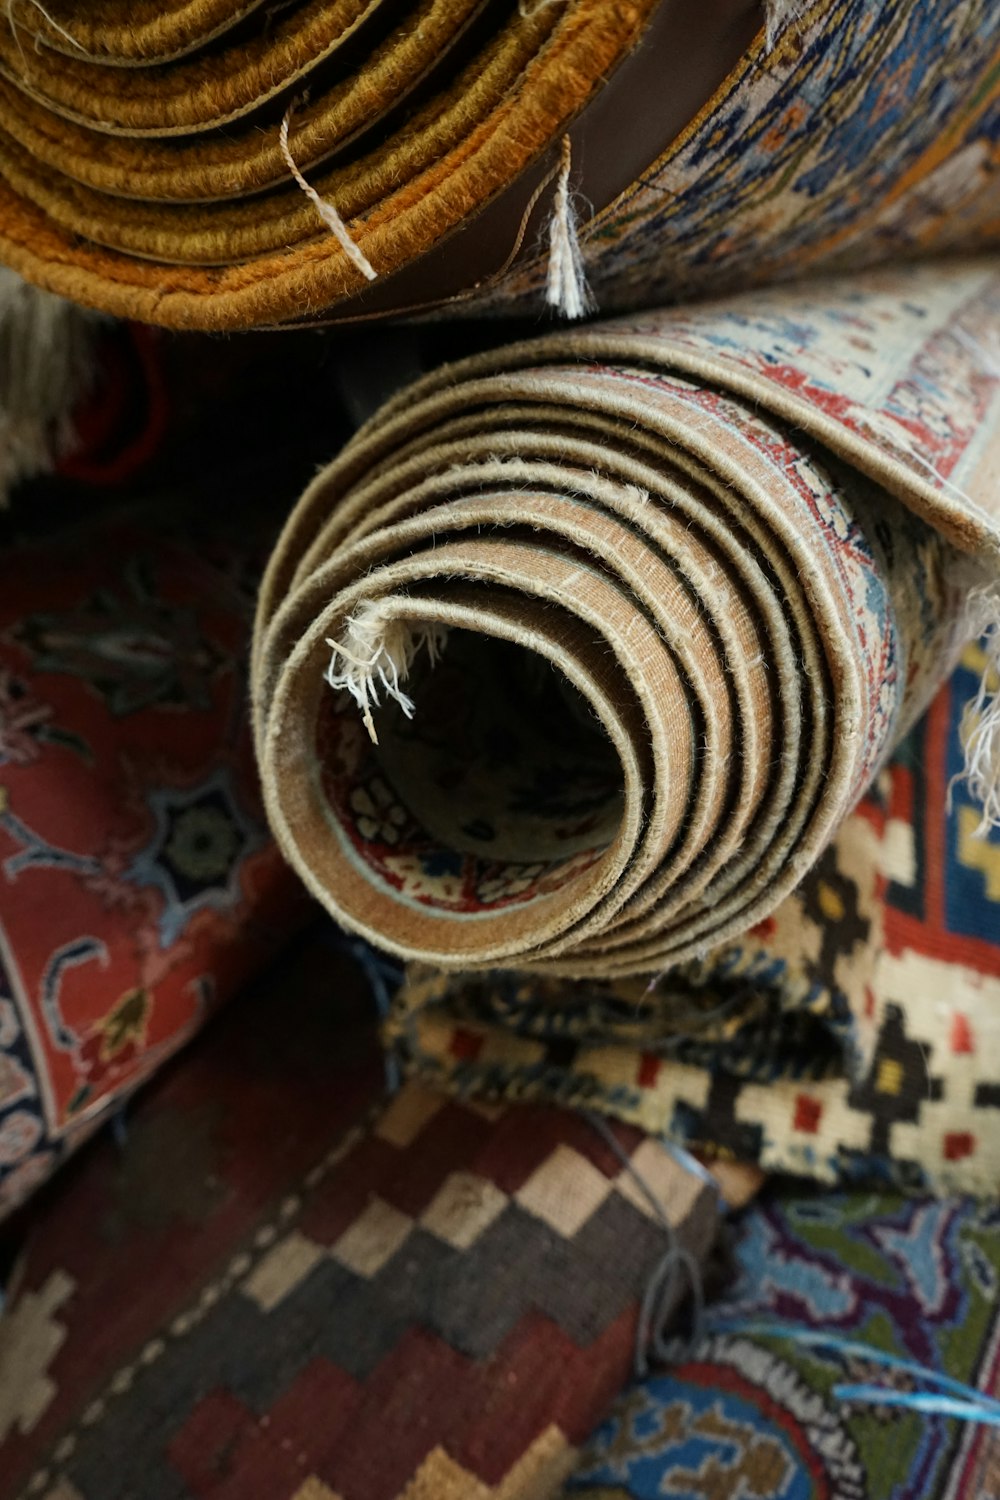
{"type": "Point", "coordinates": [580, 652]}
{"type": "Point", "coordinates": [48, 362]}
{"type": "Point", "coordinates": [210, 165]}
{"type": "Point", "coordinates": [850, 1037]}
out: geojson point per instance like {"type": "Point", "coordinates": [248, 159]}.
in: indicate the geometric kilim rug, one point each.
{"type": "Point", "coordinates": [278, 1287]}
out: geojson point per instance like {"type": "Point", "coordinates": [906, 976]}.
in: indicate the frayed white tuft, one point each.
{"type": "Point", "coordinates": [566, 289]}
{"type": "Point", "coordinates": [375, 654]}
{"type": "Point", "coordinates": [778, 15]}
{"type": "Point", "coordinates": [981, 771]}
{"type": "Point", "coordinates": [46, 366]}
{"type": "Point", "coordinates": [326, 210]}
{"type": "Point", "coordinates": [60, 30]}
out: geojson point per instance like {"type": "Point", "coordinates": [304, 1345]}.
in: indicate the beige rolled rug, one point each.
{"type": "Point", "coordinates": [231, 165]}
{"type": "Point", "coordinates": [579, 653]}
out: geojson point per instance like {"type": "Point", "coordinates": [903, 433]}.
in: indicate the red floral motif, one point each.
{"type": "Point", "coordinates": [112, 1044]}
{"type": "Point", "coordinates": [137, 882]}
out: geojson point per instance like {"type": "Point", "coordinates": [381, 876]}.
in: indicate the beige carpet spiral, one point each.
{"type": "Point", "coordinates": [634, 615]}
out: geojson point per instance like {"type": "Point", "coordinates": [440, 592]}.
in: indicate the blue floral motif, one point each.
{"type": "Point", "coordinates": [193, 859]}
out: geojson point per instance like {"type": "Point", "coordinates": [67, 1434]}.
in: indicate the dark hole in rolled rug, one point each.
{"type": "Point", "coordinates": [500, 782]}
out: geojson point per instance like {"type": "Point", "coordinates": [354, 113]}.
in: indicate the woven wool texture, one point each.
{"type": "Point", "coordinates": [47, 360]}
{"type": "Point", "coordinates": [140, 32]}
{"type": "Point", "coordinates": [277, 1286]}
{"type": "Point", "coordinates": [488, 104]}
{"type": "Point", "coordinates": [870, 132]}
{"type": "Point", "coordinates": [668, 591]}
{"type": "Point", "coordinates": [847, 133]}
{"type": "Point", "coordinates": [757, 1413]}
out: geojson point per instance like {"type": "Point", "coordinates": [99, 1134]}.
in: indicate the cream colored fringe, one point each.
{"type": "Point", "coordinates": [326, 210]}
{"type": "Point", "coordinates": [375, 654]}
{"type": "Point", "coordinates": [46, 365]}
{"type": "Point", "coordinates": [566, 289]}
{"type": "Point", "coordinates": [778, 14]}
{"type": "Point", "coordinates": [981, 771]}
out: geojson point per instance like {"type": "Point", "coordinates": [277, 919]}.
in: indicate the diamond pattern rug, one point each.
{"type": "Point", "coordinates": [280, 1285]}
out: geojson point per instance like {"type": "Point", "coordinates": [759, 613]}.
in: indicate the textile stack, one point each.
{"type": "Point", "coordinates": [532, 694]}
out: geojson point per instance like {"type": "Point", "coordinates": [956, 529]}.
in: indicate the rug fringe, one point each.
{"type": "Point", "coordinates": [376, 652]}
{"type": "Point", "coordinates": [566, 289]}
{"type": "Point", "coordinates": [46, 366]}
{"type": "Point", "coordinates": [331, 218]}
{"type": "Point", "coordinates": [981, 769]}
{"type": "Point", "coordinates": [778, 15]}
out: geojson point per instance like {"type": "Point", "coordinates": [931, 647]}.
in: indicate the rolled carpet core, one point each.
{"type": "Point", "coordinates": [518, 758]}
{"type": "Point", "coordinates": [580, 652]}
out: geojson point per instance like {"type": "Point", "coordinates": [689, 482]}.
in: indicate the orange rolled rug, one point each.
{"type": "Point", "coordinates": [232, 166]}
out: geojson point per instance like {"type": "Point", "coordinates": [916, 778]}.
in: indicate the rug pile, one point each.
{"type": "Point", "coordinates": [626, 692]}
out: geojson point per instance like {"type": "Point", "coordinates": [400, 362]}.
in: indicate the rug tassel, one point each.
{"type": "Point", "coordinates": [566, 288]}
{"type": "Point", "coordinates": [375, 654]}
{"type": "Point", "coordinates": [46, 366]}
{"type": "Point", "coordinates": [981, 771]}
{"type": "Point", "coordinates": [326, 210]}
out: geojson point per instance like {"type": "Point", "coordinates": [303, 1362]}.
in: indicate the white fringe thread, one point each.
{"type": "Point", "coordinates": [375, 654]}
{"type": "Point", "coordinates": [61, 30]}
{"type": "Point", "coordinates": [326, 210]}
{"type": "Point", "coordinates": [566, 289]}
{"type": "Point", "coordinates": [46, 366]}
{"type": "Point", "coordinates": [981, 770]}
{"type": "Point", "coordinates": [778, 15]}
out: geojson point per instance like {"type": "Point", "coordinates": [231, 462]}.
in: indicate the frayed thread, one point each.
{"type": "Point", "coordinates": [566, 289]}
{"type": "Point", "coordinates": [778, 16]}
{"type": "Point", "coordinates": [946, 1397]}
{"type": "Point", "coordinates": [374, 656]}
{"type": "Point", "coordinates": [47, 358]}
{"type": "Point", "coordinates": [60, 30]}
{"type": "Point", "coordinates": [326, 211]}
{"type": "Point", "coordinates": [980, 772]}
{"type": "Point", "coordinates": [891, 430]}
